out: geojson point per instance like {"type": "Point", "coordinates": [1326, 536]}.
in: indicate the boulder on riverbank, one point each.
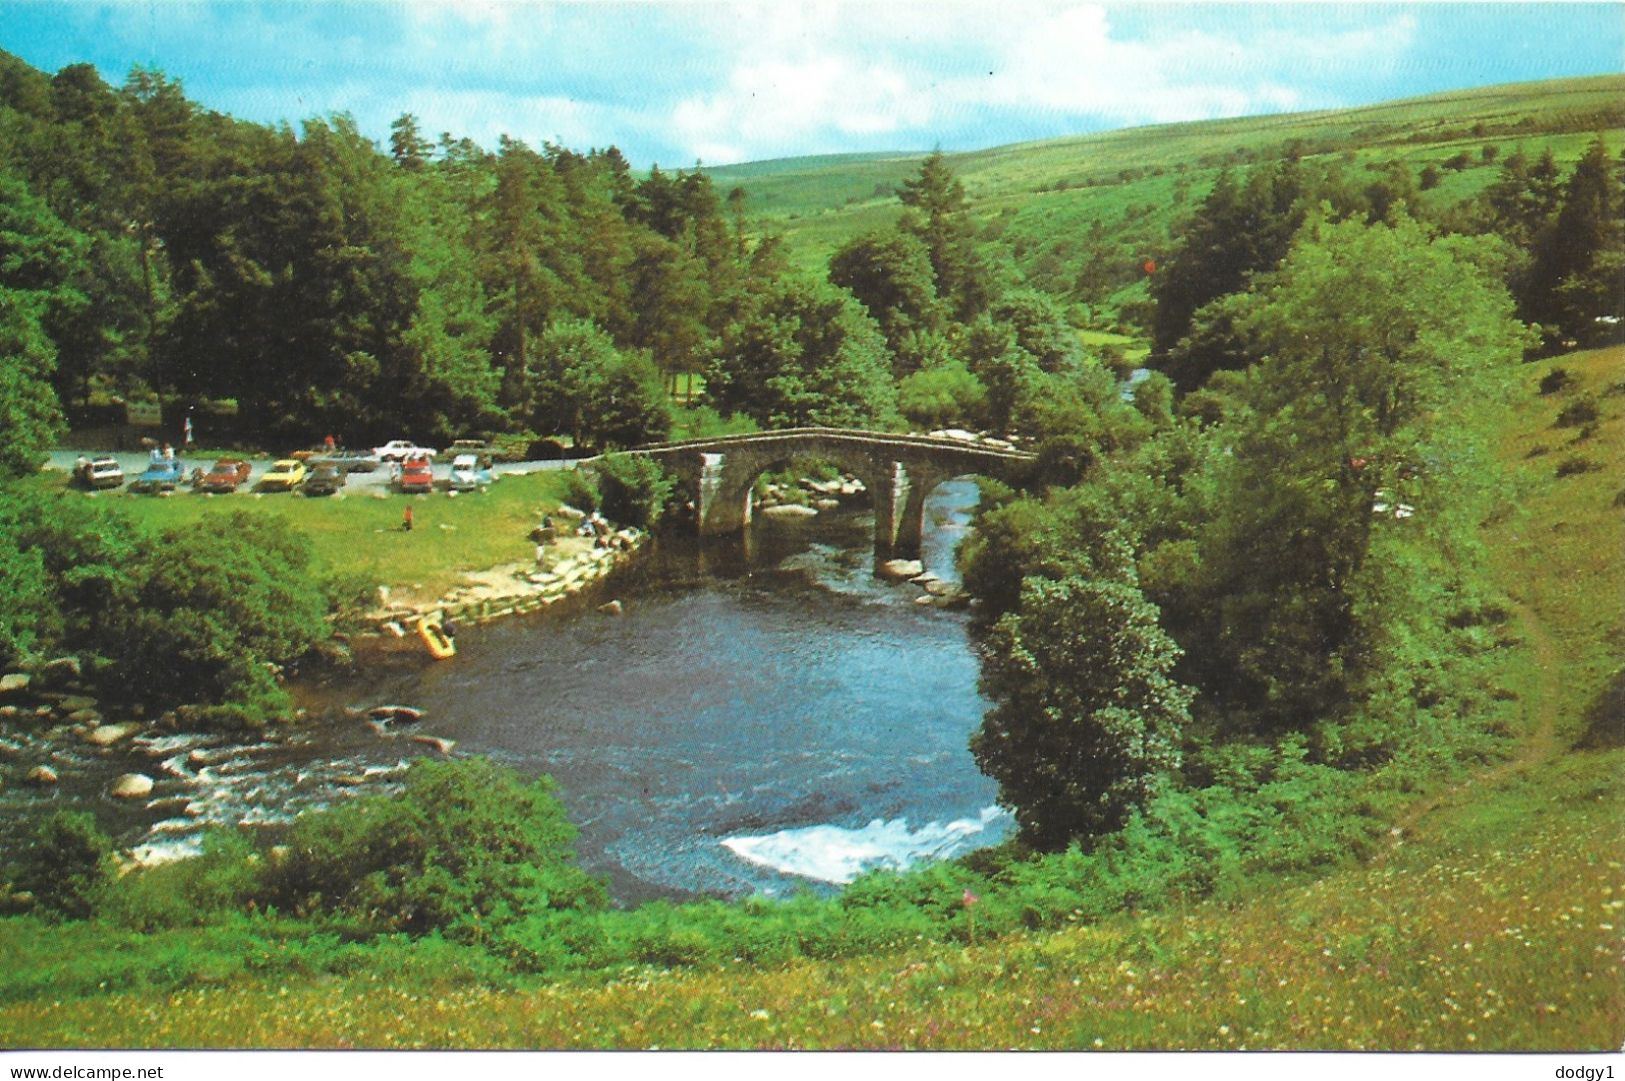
{"type": "Point", "coordinates": [42, 775]}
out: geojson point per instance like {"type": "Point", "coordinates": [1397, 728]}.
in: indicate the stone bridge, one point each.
{"type": "Point", "coordinates": [898, 470]}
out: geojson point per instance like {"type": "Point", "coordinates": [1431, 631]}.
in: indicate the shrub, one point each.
{"type": "Point", "coordinates": [946, 394]}
{"type": "Point", "coordinates": [1574, 464]}
{"type": "Point", "coordinates": [215, 612]}
{"type": "Point", "coordinates": [186, 893]}
{"type": "Point", "coordinates": [1577, 413]}
{"type": "Point", "coordinates": [1556, 380]}
{"type": "Point", "coordinates": [65, 861]}
{"type": "Point", "coordinates": [635, 489]}
{"type": "Point", "coordinates": [581, 490]}
{"type": "Point", "coordinates": [466, 845]}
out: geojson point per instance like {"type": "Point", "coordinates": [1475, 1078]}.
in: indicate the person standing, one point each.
{"type": "Point", "coordinates": [186, 431]}
{"type": "Point", "coordinates": [406, 519]}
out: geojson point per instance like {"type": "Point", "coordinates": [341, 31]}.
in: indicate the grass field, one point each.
{"type": "Point", "coordinates": [361, 536]}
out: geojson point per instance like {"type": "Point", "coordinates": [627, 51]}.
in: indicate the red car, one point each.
{"type": "Point", "coordinates": [224, 476]}
{"type": "Point", "coordinates": [417, 476]}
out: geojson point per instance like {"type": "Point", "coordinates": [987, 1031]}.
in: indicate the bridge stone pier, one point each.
{"type": "Point", "coordinates": [899, 471]}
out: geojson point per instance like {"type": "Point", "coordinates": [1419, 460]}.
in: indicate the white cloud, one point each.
{"type": "Point", "coordinates": [809, 76]}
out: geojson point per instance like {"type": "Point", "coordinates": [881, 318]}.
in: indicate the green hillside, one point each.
{"type": "Point", "coordinates": [1037, 200]}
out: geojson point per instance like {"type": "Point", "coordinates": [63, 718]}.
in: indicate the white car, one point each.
{"type": "Point", "coordinates": [399, 450]}
{"type": "Point", "coordinates": [468, 472]}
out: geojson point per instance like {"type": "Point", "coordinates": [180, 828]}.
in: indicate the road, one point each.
{"type": "Point", "coordinates": [133, 462]}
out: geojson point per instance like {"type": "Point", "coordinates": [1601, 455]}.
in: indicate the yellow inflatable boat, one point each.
{"type": "Point", "coordinates": [435, 637]}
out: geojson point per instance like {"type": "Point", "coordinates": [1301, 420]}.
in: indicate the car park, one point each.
{"type": "Point", "coordinates": [325, 478]}
{"type": "Point", "coordinates": [99, 473]}
{"type": "Point", "coordinates": [468, 472]}
{"type": "Point", "coordinates": [161, 475]}
{"type": "Point", "coordinates": [401, 450]}
{"type": "Point", "coordinates": [224, 476]}
{"type": "Point", "coordinates": [284, 475]}
{"type": "Point", "coordinates": [417, 476]}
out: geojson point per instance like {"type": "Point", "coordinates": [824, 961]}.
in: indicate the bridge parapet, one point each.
{"type": "Point", "coordinates": [898, 470]}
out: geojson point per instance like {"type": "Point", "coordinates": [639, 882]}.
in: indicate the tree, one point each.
{"type": "Point", "coordinates": [939, 217]}
{"type": "Point", "coordinates": [1370, 342]}
{"type": "Point", "coordinates": [890, 272]}
{"type": "Point", "coordinates": [804, 355]}
{"type": "Point", "coordinates": [1574, 282]}
{"type": "Point", "coordinates": [584, 385]}
{"type": "Point", "coordinates": [942, 394]}
{"type": "Point", "coordinates": [406, 143]}
{"type": "Point", "coordinates": [30, 414]}
{"type": "Point", "coordinates": [1239, 230]}
{"type": "Point", "coordinates": [1086, 722]}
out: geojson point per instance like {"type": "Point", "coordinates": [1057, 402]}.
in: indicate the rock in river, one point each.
{"type": "Point", "coordinates": [106, 735]}
{"type": "Point", "coordinates": [132, 786]}
{"type": "Point", "coordinates": [899, 570]}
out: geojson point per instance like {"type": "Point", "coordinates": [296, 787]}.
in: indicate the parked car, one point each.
{"type": "Point", "coordinates": [284, 475]}
{"type": "Point", "coordinates": [161, 475]}
{"type": "Point", "coordinates": [224, 476]}
{"type": "Point", "coordinates": [469, 471]}
{"type": "Point", "coordinates": [400, 450]}
{"type": "Point", "coordinates": [351, 461]}
{"type": "Point", "coordinates": [325, 479]}
{"type": "Point", "coordinates": [417, 476]}
{"type": "Point", "coordinates": [99, 473]}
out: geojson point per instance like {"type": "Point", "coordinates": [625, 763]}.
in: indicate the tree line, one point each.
{"type": "Point", "coordinates": [150, 247]}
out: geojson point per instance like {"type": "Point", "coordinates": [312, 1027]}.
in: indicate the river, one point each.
{"type": "Point", "coordinates": [765, 716]}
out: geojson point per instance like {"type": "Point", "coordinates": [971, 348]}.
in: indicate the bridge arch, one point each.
{"type": "Point", "coordinates": [898, 470]}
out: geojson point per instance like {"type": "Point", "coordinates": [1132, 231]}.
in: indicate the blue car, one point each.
{"type": "Point", "coordinates": [161, 475]}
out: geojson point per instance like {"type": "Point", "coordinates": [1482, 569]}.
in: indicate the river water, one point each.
{"type": "Point", "coordinates": [766, 716]}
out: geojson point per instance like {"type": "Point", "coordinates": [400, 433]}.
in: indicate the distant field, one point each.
{"type": "Point", "coordinates": [1038, 198]}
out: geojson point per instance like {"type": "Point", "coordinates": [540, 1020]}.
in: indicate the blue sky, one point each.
{"type": "Point", "coordinates": [724, 82]}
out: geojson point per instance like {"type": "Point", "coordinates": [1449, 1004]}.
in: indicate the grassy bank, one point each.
{"type": "Point", "coordinates": [360, 536]}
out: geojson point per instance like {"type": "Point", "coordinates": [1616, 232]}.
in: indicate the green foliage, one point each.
{"type": "Point", "coordinates": [635, 489]}
{"type": "Point", "coordinates": [581, 490]}
{"type": "Point", "coordinates": [941, 396]}
{"type": "Point", "coordinates": [1573, 283]}
{"type": "Point", "coordinates": [464, 847]}
{"type": "Point", "coordinates": [583, 385]}
{"type": "Point", "coordinates": [703, 421]}
{"type": "Point", "coordinates": [212, 613]}
{"type": "Point", "coordinates": [805, 355]}
{"type": "Point", "coordinates": [891, 275]}
{"type": "Point", "coordinates": [1353, 415]}
{"type": "Point", "coordinates": [1086, 721]}
{"type": "Point", "coordinates": [65, 861]}
{"type": "Point", "coordinates": [196, 892]}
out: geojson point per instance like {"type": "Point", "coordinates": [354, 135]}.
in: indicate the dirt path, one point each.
{"type": "Point", "coordinates": [1540, 744]}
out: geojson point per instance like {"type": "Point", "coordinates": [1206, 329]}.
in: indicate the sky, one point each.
{"type": "Point", "coordinates": [678, 82]}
